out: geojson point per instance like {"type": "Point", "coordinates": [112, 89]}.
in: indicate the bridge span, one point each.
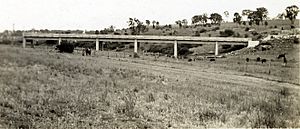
{"type": "Point", "coordinates": [142, 39]}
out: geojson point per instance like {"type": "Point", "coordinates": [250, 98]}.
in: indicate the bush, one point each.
{"type": "Point", "coordinates": [246, 35]}
{"type": "Point", "coordinates": [135, 55]}
{"type": "Point", "coordinates": [66, 47]}
{"type": "Point", "coordinates": [266, 23]}
{"type": "Point", "coordinates": [184, 51]}
{"type": "Point", "coordinates": [247, 29]}
{"type": "Point", "coordinates": [197, 33]}
{"type": "Point", "coordinates": [292, 27]}
{"type": "Point", "coordinates": [237, 35]}
{"type": "Point", "coordinates": [254, 33]}
{"type": "Point", "coordinates": [216, 28]}
{"type": "Point", "coordinates": [226, 33]}
{"type": "Point", "coordinates": [244, 23]}
{"type": "Point", "coordinates": [202, 30]}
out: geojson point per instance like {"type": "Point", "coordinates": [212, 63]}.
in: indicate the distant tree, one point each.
{"type": "Point", "coordinates": [179, 23]}
{"type": "Point", "coordinates": [215, 18]}
{"type": "Point", "coordinates": [97, 32]}
{"type": "Point", "coordinates": [203, 18]}
{"type": "Point", "coordinates": [261, 13]}
{"type": "Point", "coordinates": [237, 18]}
{"type": "Point", "coordinates": [254, 18]}
{"type": "Point", "coordinates": [112, 28]}
{"type": "Point", "coordinates": [226, 13]}
{"type": "Point", "coordinates": [131, 23]}
{"type": "Point", "coordinates": [153, 24]}
{"type": "Point", "coordinates": [195, 19]}
{"type": "Point", "coordinates": [280, 16]}
{"type": "Point", "coordinates": [246, 13]}
{"type": "Point", "coordinates": [184, 22]}
{"type": "Point", "coordinates": [199, 19]}
{"type": "Point", "coordinates": [136, 26]}
{"type": "Point", "coordinates": [291, 12]}
{"type": "Point", "coordinates": [157, 24]}
{"type": "Point", "coordinates": [148, 22]}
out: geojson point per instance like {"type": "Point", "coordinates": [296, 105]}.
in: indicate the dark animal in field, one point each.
{"type": "Point", "coordinates": [247, 59]}
{"type": "Point", "coordinates": [284, 61]}
{"type": "Point", "coordinates": [257, 59]}
{"type": "Point", "coordinates": [284, 58]}
{"type": "Point", "coordinates": [263, 61]}
{"type": "Point", "coordinates": [281, 56]}
{"type": "Point", "coordinates": [212, 59]}
{"type": "Point", "coordinates": [88, 51]}
{"type": "Point", "coordinates": [190, 60]}
{"type": "Point", "coordinates": [83, 52]}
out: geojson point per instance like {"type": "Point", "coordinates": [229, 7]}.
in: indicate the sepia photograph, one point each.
{"type": "Point", "coordinates": [149, 64]}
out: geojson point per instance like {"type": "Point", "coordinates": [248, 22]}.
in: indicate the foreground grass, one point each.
{"type": "Point", "coordinates": [53, 90]}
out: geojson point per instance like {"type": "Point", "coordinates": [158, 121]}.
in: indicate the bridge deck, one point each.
{"type": "Point", "coordinates": [133, 37]}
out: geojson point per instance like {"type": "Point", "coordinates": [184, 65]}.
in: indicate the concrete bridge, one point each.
{"type": "Point", "coordinates": [142, 39]}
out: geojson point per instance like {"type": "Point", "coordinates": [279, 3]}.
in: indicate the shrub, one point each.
{"type": "Point", "coordinates": [226, 33]}
{"type": "Point", "coordinates": [266, 23]}
{"type": "Point", "coordinates": [216, 28]}
{"type": "Point", "coordinates": [247, 29]}
{"type": "Point", "coordinates": [246, 35]}
{"type": "Point", "coordinates": [66, 47]}
{"type": "Point", "coordinates": [244, 23]}
{"type": "Point", "coordinates": [292, 27]}
{"type": "Point", "coordinates": [202, 30]}
{"type": "Point", "coordinates": [197, 33]}
{"type": "Point", "coordinates": [184, 51]}
{"type": "Point", "coordinates": [237, 35]}
{"type": "Point", "coordinates": [254, 33]}
{"type": "Point", "coordinates": [135, 55]}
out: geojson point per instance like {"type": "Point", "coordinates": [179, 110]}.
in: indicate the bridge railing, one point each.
{"type": "Point", "coordinates": [139, 37]}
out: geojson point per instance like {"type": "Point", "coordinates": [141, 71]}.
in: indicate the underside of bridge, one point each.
{"type": "Point", "coordinates": [142, 39]}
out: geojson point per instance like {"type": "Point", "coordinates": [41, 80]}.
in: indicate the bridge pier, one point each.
{"type": "Point", "coordinates": [135, 46]}
{"type": "Point", "coordinates": [97, 44]}
{"type": "Point", "coordinates": [59, 41]}
{"type": "Point", "coordinates": [216, 49]}
{"type": "Point", "coordinates": [32, 43]}
{"type": "Point", "coordinates": [175, 48]}
{"type": "Point", "coordinates": [24, 42]}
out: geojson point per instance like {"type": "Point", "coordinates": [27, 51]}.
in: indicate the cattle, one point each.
{"type": "Point", "coordinates": [247, 59]}
{"type": "Point", "coordinates": [263, 61]}
{"type": "Point", "coordinates": [284, 61]}
{"type": "Point", "coordinates": [257, 59]}
{"type": "Point", "coordinates": [284, 58]}
{"type": "Point", "coordinates": [88, 51]}
{"type": "Point", "coordinates": [281, 56]}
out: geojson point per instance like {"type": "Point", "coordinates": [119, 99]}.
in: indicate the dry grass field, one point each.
{"type": "Point", "coordinates": [42, 89]}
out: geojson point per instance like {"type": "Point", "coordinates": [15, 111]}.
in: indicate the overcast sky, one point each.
{"type": "Point", "coordinates": [99, 14]}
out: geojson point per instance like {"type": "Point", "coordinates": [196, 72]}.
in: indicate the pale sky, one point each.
{"type": "Point", "coordinates": [99, 14]}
